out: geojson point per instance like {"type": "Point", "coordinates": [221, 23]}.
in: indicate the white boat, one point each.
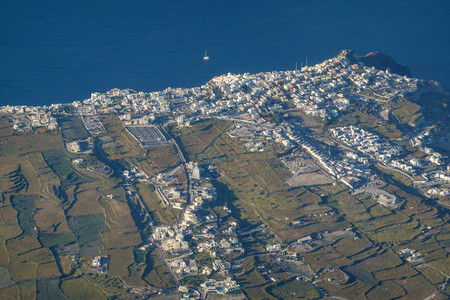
{"type": "Point", "coordinates": [206, 57]}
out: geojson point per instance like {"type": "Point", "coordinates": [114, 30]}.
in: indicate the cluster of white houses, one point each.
{"type": "Point", "coordinates": [323, 90]}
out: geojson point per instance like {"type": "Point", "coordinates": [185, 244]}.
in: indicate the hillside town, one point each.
{"type": "Point", "coordinates": [256, 105]}
{"type": "Point", "coordinates": [324, 91]}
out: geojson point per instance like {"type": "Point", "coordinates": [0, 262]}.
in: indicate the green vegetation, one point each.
{"type": "Point", "coordinates": [49, 289]}
{"type": "Point", "coordinates": [295, 289]}
{"type": "Point", "coordinates": [257, 192]}
{"type": "Point", "coordinates": [72, 128]}
{"type": "Point", "coordinates": [11, 292]}
{"type": "Point", "coordinates": [159, 213]}
{"type": "Point", "coordinates": [87, 229]}
{"type": "Point", "coordinates": [432, 275]}
{"type": "Point", "coordinates": [60, 163]}
{"type": "Point", "coordinates": [253, 282]}
{"type": "Point", "coordinates": [124, 146]}
{"type": "Point", "coordinates": [394, 176]}
{"type": "Point", "coordinates": [25, 208]}
{"type": "Point", "coordinates": [193, 280]}
{"type": "Point", "coordinates": [57, 239]}
{"type": "Point", "coordinates": [5, 278]}
{"type": "Point", "coordinates": [403, 271]}
{"type": "Point", "coordinates": [108, 285]}
{"type": "Point", "coordinates": [362, 274]}
{"type": "Point", "coordinates": [417, 286]}
{"type": "Point", "coordinates": [386, 290]}
{"type": "Point", "coordinates": [155, 273]}
{"type": "Point", "coordinates": [18, 180]}
{"type": "Point", "coordinates": [44, 221]}
{"type": "Point", "coordinates": [80, 288]}
{"type": "Point", "coordinates": [198, 140]}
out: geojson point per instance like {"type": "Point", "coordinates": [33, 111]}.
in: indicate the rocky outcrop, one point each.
{"type": "Point", "coordinates": [383, 62]}
{"type": "Point", "coordinates": [377, 60]}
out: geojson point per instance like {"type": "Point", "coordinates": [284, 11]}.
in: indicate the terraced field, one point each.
{"type": "Point", "coordinates": [53, 214]}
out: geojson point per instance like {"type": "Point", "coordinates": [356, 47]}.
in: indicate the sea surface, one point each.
{"type": "Point", "coordinates": [61, 51]}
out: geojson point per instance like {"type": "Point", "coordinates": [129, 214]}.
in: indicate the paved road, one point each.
{"type": "Point", "coordinates": [184, 162]}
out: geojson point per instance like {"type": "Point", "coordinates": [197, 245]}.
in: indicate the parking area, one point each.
{"type": "Point", "coordinates": [148, 136]}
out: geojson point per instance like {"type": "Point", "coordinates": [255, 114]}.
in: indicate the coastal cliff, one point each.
{"type": "Point", "coordinates": [383, 62]}
{"type": "Point", "coordinates": [377, 60]}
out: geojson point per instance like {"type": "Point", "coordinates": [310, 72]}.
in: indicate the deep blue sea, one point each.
{"type": "Point", "coordinates": [61, 51]}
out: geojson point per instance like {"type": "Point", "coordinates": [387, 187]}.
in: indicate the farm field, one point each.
{"type": "Point", "coordinates": [53, 214]}
{"type": "Point", "coordinates": [56, 216]}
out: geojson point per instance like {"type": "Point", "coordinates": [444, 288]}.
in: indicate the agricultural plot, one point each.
{"type": "Point", "coordinates": [405, 111]}
{"type": "Point", "coordinates": [155, 273]}
{"type": "Point", "coordinates": [59, 240]}
{"type": "Point", "coordinates": [253, 282]}
{"type": "Point", "coordinates": [12, 292]}
{"type": "Point", "coordinates": [123, 232]}
{"type": "Point", "coordinates": [434, 276]}
{"type": "Point", "coordinates": [196, 138]}
{"type": "Point", "coordinates": [109, 285]}
{"type": "Point", "coordinates": [294, 289]}
{"type": "Point", "coordinates": [384, 225]}
{"type": "Point", "coordinates": [159, 213]}
{"type": "Point", "coordinates": [125, 145]}
{"type": "Point", "coordinates": [44, 202]}
{"type": "Point", "coordinates": [49, 289]}
{"type": "Point", "coordinates": [72, 128]}
{"type": "Point", "coordinates": [349, 248]}
{"type": "Point", "coordinates": [15, 146]}
{"type": "Point", "coordinates": [210, 155]}
{"type": "Point", "coordinates": [119, 262]}
{"type": "Point", "coordinates": [49, 217]}
{"type": "Point", "coordinates": [395, 273]}
{"type": "Point", "coordinates": [80, 288]}
{"type": "Point", "coordinates": [9, 223]}
{"type": "Point", "coordinates": [62, 166]}
{"type": "Point", "coordinates": [88, 229]}
{"type": "Point", "coordinates": [416, 287]}
{"type": "Point", "coordinates": [386, 290]}
{"type": "Point", "coordinates": [385, 259]}
{"type": "Point", "coordinates": [5, 278]}
{"type": "Point", "coordinates": [159, 159]}
{"type": "Point", "coordinates": [260, 193]}
{"type": "Point", "coordinates": [26, 209]}
{"type": "Point", "coordinates": [88, 197]}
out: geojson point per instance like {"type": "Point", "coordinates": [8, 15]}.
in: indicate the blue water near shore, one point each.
{"type": "Point", "coordinates": [61, 51]}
